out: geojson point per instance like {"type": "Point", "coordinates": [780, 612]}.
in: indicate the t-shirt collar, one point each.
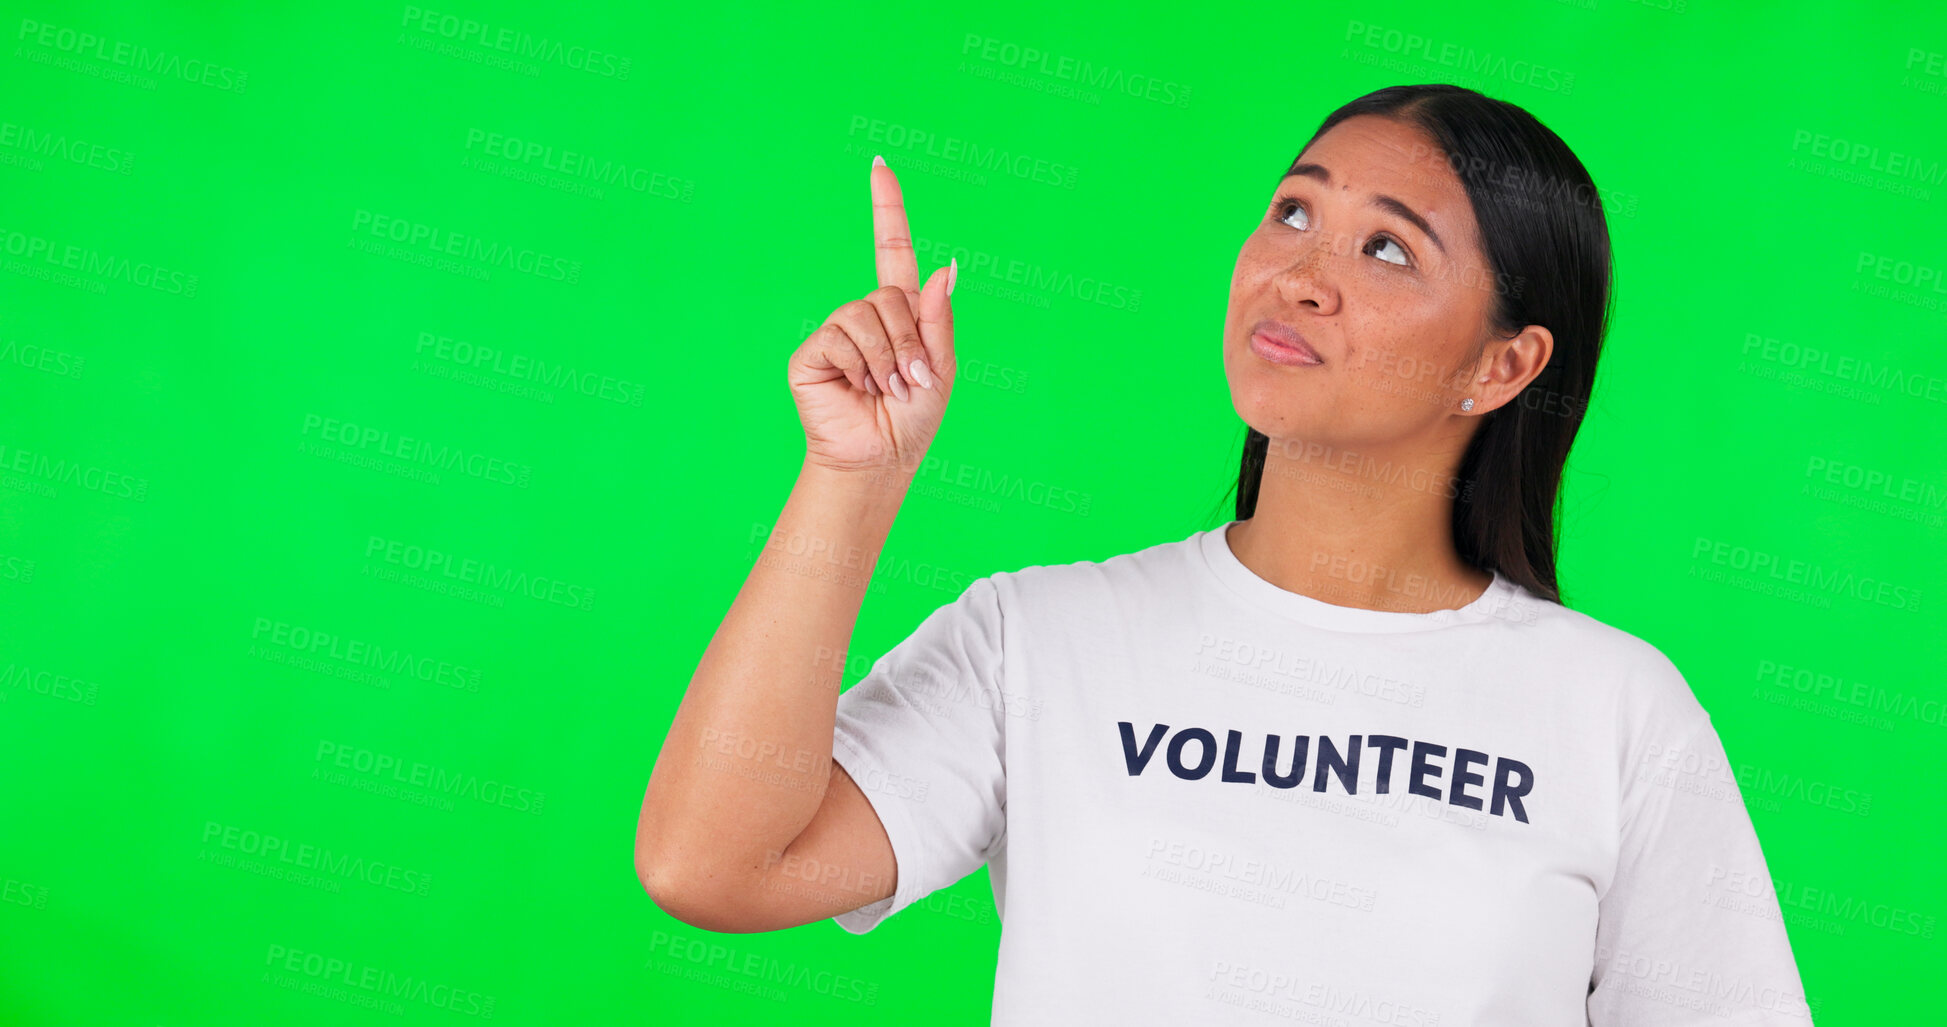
{"type": "Point", "coordinates": [1502, 599]}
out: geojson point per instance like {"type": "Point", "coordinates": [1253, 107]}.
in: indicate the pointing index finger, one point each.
{"type": "Point", "coordinates": [892, 240]}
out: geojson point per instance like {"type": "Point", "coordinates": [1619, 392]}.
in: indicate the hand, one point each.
{"type": "Point", "coordinates": [864, 405]}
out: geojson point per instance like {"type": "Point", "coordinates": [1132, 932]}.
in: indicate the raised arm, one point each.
{"type": "Point", "coordinates": [745, 797]}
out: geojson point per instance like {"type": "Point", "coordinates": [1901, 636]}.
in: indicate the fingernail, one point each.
{"type": "Point", "coordinates": [920, 373]}
{"type": "Point", "coordinates": [878, 161]}
{"type": "Point", "coordinates": [898, 386]}
{"type": "Point", "coordinates": [952, 272]}
{"type": "Point", "coordinates": [871, 387]}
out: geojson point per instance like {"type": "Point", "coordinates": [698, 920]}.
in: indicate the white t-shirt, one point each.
{"type": "Point", "coordinates": [1508, 813]}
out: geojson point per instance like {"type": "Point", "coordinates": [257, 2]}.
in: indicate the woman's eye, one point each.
{"type": "Point", "coordinates": [1285, 209]}
{"type": "Point", "coordinates": [1394, 243]}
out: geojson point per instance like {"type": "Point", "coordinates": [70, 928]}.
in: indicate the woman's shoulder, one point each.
{"type": "Point", "coordinates": [1649, 683]}
{"type": "Point", "coordinates": [1158, 565]}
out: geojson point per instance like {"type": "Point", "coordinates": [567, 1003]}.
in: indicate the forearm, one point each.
{"type": "Point", "coordinates": [748, 755]}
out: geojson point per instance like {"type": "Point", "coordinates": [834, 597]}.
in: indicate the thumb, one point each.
{"type": "Point", "coordinates": [936, 319]}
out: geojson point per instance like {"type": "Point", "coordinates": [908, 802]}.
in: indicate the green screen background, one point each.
{"type": "Point", "coordinates": [194, 307]}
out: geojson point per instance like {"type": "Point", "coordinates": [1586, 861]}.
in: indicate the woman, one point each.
{"type": "Point", "coordinates": [1345, 758]}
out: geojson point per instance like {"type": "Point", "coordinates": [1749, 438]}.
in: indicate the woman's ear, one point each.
{"type": "Point", "coordinates": [1510, 364]}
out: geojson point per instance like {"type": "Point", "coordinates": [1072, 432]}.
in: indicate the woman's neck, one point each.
{"type": "Point", "coordinates": [1341, 532]}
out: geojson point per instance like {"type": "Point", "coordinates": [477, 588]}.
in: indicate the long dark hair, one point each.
{"type": "Point", "coordinates": [1547, 244]}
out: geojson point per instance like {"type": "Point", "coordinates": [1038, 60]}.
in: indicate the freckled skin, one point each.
{"type": "Point", "coordinates": [1393, 339]}
{"type": "Point", "coordinates": [1401, 347]}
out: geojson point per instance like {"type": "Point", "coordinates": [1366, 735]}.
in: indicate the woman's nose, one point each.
{"type": "Point", "coordinates": [1309, 274]}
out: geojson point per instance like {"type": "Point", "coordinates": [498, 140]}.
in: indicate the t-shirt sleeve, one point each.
{"type": "Point", "coordinates": [1689, 931]}
{"type": "Point", "coordinates": [922, 736]}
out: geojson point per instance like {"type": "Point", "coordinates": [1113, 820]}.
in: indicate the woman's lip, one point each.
{"type": "Point", "coordinates": [1269, 343]}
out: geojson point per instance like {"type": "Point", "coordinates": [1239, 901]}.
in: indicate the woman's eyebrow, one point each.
{"type": "Point", "coordinates": [1383, 202]}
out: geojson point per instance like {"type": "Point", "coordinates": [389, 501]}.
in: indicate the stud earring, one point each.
{"type": "Point", "coordinates": [1467, 404]}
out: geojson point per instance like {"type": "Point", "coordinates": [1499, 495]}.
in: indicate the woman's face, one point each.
{"type": "Point", "coordinates": [1393, 309]}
